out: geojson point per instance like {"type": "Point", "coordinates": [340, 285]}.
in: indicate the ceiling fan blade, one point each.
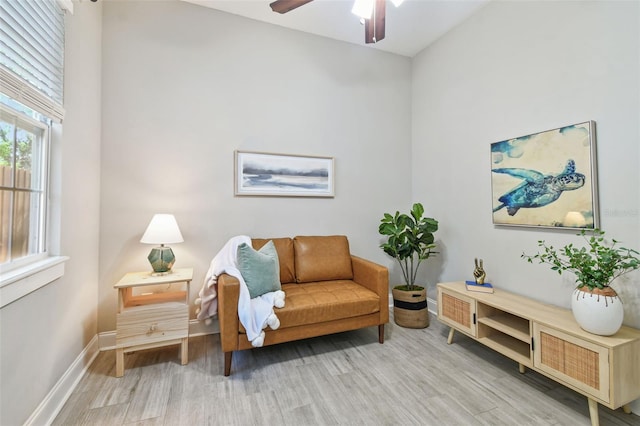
{"type": "Point", "coordinates": [381, 18]}
{"type": "Point", "coordinates": [374, 30]}
{"type": "Point", "coordinates": [284, 6]}
{"type": "Point", "coordinates": [369, 31]}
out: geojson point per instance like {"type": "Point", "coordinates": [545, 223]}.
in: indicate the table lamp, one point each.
{"type": "Point", "coordinates": [163, 229]}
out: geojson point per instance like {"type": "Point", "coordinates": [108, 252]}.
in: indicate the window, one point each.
{"type": "Point", "coordinates": [31, 95]}
{"type": "Point", "coordinates": [23, 184]}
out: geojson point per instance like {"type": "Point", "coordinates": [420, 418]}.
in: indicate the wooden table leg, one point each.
{"type": "Point", "coordinates": [184, 351]}
{"type": "Point", "coordinates": [521, 368]}
{"type": "Point", "coordinates": [626, 408]}
{"type": "Point", "coordinates": [593, 412]}
{"type": "Point", "coordinates": [120, 362]}
{"type": "Point", "coordinates": [450, 338]}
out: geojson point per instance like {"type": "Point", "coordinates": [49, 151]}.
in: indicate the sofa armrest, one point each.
{"type": "Point", "coordinates": [228, 294]}
{"type": "Point", "coordinates": [376, 278]}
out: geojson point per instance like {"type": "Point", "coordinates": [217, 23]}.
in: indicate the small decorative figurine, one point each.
{"type": "Point", "coordinates": [478, 273]}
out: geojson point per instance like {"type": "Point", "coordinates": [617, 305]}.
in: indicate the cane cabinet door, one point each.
{"type": "Point", "coordinates": [457, 311]}
{"type": "Point", "coordinates": [581, 364]}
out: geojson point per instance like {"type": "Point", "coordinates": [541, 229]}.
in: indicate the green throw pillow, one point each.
{"type": "Point", "coordinates": [260, 269]}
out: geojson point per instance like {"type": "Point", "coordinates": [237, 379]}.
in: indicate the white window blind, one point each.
{"type": "Point", "coordinates": [32, 54]}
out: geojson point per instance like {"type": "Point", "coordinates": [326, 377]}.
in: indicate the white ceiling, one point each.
{"type": "Point", "coordinates": [409, 28]}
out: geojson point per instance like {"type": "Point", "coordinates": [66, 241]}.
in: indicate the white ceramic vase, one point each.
{"type": "Point", "coordinates": [598, 311]}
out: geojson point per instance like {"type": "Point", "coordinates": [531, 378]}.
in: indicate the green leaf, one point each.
{"type": "Point", "coordinates": [410, 239]}
{"type": "Point", "coordinates": [596, 265]}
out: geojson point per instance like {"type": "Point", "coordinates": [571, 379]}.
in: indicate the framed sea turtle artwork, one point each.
{"type": "Point", "coordinates": [546, 179]}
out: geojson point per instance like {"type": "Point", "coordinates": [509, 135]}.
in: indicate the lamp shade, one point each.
{"type": "Point", "coordinates": [163, 229]}
{"type": "Point", "coordinates": [574, 219]}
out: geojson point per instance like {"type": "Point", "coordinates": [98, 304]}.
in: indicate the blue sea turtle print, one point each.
{"type": "Point", "coordinates": [538, 190]}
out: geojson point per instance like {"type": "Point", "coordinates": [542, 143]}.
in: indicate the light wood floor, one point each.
{"type": "Point", "coordinates": [414, 378]}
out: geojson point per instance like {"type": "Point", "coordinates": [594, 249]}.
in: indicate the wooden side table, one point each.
{"type": "Point", "coordinates": [155, 318]}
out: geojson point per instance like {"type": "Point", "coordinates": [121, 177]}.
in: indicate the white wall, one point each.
{"type": "Point", "coordinates": [185, 86]}
{"type": "Point", "coordinates": [44, 332]}
{"type": "Point", "coordinates": [182, 87]}
{"type": "Point", "coordinates": [512, 69]}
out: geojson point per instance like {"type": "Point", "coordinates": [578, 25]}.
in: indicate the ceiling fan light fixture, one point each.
{"type": "Point", "coordinates": [363, 8]}
{"type": "Point", "coordinates": [397, 3]}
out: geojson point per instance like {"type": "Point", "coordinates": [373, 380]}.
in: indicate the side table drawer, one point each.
{"type": "Point", "coordinates": [150, 324]}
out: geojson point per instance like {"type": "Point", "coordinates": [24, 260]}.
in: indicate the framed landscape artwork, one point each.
{"type": "Point", "coordinates": [546, 179]}
{"type": "Point", "coordinates": [263, 174]}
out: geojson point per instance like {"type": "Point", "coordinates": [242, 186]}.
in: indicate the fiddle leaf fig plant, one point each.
{"type": "Point", "coordinates": [595, 266]}
{"type": "Point", "coordinates": [410, 240]}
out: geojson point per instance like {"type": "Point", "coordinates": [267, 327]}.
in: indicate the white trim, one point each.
{"type": "Point", "coordinates": [199, 328]}
{"type": "Point", "coordinates": [432, 306]}
{"type": "Point", "coordinates": [51, 405]}
{"type": "Point", "coordinates": [107, 340]}
{"type": "Point", "coordinates": [19, 282]}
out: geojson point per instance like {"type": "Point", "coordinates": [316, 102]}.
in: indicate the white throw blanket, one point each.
{"type": "Point", "coordinates": [254, 314]}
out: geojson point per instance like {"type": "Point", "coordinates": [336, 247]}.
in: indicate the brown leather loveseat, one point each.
{"type": "Point", "coordinates": [327, 290]}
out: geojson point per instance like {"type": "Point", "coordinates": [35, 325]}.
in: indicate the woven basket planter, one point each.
{"type": "Point", "coordinates": [410, 308]}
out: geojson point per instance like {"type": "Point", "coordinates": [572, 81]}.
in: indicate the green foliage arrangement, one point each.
{"type": "Point", "coordinates": [22, 152]}
{"type": "Point", "coordinates": [410, 240]}
{"type": "Point", "coordinates": [595, 266]}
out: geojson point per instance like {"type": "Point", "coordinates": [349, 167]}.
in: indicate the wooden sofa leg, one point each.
{"type": "Point", "coordinates": [227, 363]}
{"type": "Point", "coordinates": [381, 333]}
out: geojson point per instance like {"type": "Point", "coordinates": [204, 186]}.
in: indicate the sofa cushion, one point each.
{"type": "Point", "coordinates": [284, 247]}
{"type": "Point", "coordinates": [259, 269]}
{"type": "Point", "coordinates": [317, 302]}
{"type": "Point", "coordinates": [322, 258]}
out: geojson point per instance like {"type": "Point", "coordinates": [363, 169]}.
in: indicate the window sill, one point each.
{"type": "Point", "coordinates": [22, 281]}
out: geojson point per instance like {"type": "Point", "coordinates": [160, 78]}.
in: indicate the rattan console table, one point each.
{"type": "Point", "coordinates": [546, 339]}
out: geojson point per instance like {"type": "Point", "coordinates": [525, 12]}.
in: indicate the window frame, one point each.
{"type": "Point", "coordinates": [23, 121]}
{"type": "Point", "coordinates": [21, 276]}
{"type": "Point", "coordinates": [24, 275]}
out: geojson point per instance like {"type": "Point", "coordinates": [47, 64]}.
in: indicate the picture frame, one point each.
{"type": "Point", "coordinates": [546, 179]}
{"type": "Point", "coordinates": [283, 175]}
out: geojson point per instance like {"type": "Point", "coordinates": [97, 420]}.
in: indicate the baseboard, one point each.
{"type": "Point", "coordinates": [51, 405]}
{"type": "Point", "coordinates": [107, 340]}
{"type": "Point", "coordinates": [432, 306]}
{"type": "Point", "coordinates": [200, 328]}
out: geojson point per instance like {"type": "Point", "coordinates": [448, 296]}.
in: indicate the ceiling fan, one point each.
{"type": "Point", "coordinates": [372, 13]}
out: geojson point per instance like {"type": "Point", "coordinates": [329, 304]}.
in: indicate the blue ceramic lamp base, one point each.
{"type": "Point", "coordinates": [161, 259]}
